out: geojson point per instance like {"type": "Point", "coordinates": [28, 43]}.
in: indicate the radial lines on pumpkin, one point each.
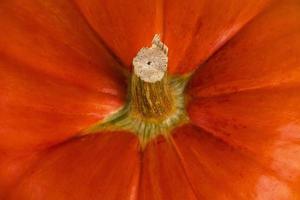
{"type": "Point", "coordinates": [156, 102]}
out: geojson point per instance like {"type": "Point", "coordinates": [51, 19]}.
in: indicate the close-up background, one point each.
{"type": "Point", "coordinates": [81, 118]}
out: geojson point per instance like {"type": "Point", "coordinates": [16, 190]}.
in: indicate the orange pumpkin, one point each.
{"type": "Point", "coordinates": [65, 67]}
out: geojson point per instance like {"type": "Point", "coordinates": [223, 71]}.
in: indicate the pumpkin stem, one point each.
{"type": "Point", "coordinates": [156, 103]}
{"type": "Point", "coordinates": [150, 94]}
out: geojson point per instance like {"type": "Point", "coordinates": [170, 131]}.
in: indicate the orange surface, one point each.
{"type": "Point", "coordinates": [55, 76]}
{"type": "Point", "coordinates": [264, 54]}
{"type": "Point", "coordinates": [60, 72]}
{"type": "Point", "coordinates": [101, 166]}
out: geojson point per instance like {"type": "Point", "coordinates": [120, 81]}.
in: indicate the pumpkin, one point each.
{"type": "Point", "coordinates": [220, 120]}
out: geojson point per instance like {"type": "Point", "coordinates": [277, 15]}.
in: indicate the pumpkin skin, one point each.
{"type": "Point", "coordinates": [64, 66]}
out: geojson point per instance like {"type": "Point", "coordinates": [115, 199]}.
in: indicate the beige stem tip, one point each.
{"type": "Point", "coordinates": [150, 63]}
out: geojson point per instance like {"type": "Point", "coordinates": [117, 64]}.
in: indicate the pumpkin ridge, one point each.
{"type": "Point", "coordinates": [183, 166]}
{"type": "Point", "coordinates": [102, 42]}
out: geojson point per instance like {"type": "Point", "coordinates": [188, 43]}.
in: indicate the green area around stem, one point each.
{"type": "Point", "coordinates": [147, 129]}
